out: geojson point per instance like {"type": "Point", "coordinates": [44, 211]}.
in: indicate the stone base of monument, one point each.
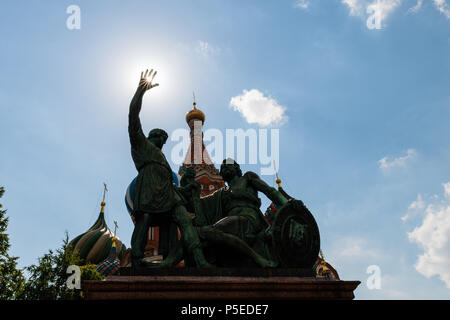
{"type": "Point", "coordinates": [218, 283]}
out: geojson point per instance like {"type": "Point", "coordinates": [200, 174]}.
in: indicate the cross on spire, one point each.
{"type": "Point", "coordinates": [195, 103]}
{"type": "Point", "coordinates": [104, 191]}
{"type": "Point", "coordinates": [116, 226]}
{"type": "Point", "coordinates": [321, 255]}
{"type": "Point", "coordinates": [278, 180]}
{"type": "Point", "coordinates": [275, 169]}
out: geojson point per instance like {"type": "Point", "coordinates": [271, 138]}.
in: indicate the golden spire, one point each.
{"type": "Point", "coordinates": [278, 180]}
{"type": "Point", "coordinates": [323, 262]}
{"type": "Point", "coordinates": [102, 210]}
{"type": "Point", "coordinates": [115, 230]}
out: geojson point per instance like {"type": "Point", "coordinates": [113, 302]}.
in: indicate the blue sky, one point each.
{"type": "Point", "coordinates": [363, 141]}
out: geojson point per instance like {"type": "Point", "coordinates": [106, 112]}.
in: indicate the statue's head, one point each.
{"type": "Point", "coordinates": [158, 137]}
{"type": "Point", "coordinates": [188, 172]}
{"type": "Point", "coordinates": [229, 169]}
{"type": "Point", "coordinates": [188, 176]}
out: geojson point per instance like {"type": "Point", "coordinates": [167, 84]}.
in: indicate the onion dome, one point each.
{"type": "Point", "coordinates": [111, 265]}
{"type": "Point", "coordinates": [324, 270]}
{"type": "Point", "coordinates": [129, 198]}
{"type": "Point", "coordinates": [195, 114]}
{"type": "Point", "coordinates": [95, 244]}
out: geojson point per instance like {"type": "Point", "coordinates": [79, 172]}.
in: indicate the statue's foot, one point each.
{"type": "Point", "coordinates": [264, 263]}
{"type": "Point", "coordinates": [199, 259]}
{"type": "Point", "coordinates": [201, 262]}
{"type": "Point", "coordinates": [272, 264]}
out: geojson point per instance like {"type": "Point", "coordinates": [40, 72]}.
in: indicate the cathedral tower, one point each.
{"type": "Point", "coordinates": [197, 156]}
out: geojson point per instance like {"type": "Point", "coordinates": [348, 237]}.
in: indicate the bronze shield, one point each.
{"type": "Point", "coordinates": [296, 236]}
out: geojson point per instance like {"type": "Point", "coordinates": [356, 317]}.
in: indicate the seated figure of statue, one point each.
{"type": "Point", "coordinates": [241, 222]}
{"type": "Point", "coordinates": [231, 227]}
{"type": "Point", "coordinates": [189, 189]}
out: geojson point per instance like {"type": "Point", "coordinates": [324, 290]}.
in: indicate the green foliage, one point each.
{"type": "Point", "coordinates": [47, 279]}
{"type": "Point", "coordinates": [12, 280]}
{"type": "Point", "coordinates": [89, 272]}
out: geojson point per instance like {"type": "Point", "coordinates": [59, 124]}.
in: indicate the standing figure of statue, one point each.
{"type": "Point", "coordinates": [155, 197]}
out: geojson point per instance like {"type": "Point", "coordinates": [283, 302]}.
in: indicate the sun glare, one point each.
{"type": "Point", "coordinates": [170, 98]}
{"type": "Point", "coordinates": [162, 76]}
{"type": "Point", "coordinates": [166, 77]}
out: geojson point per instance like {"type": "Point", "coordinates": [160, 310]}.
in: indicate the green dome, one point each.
{"type": "Point", "coordinates": [94, 245]}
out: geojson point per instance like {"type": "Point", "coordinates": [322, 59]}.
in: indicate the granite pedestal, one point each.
{"type": "Point", "coordinates": [218, 283]}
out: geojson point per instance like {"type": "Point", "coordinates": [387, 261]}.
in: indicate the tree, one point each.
{"type": "Point", "coordinates": [47, 279]}
{"type": "Point", "coordinates": [12, 280]}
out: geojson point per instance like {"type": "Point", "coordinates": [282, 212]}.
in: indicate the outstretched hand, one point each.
{"type": "Point", "coordinates": [145, 83]}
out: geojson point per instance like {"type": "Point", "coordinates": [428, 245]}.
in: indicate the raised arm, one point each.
{"type": "Point", "coordinates": [134, 123]}
{"type": "Point", "coordinates": [271, 193]}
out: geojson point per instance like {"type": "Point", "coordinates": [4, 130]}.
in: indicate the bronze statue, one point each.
{"type": "Point", "coordinates": [242, 225]}
{"type": "Point", "coordinates": [155, 196]}
{"type": "Point", "coordinates": [293, 239]}
{"type": "Point", "coordinates": [235, 234]}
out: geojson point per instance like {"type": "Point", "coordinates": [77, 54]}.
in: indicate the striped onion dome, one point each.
{"type": "Point", "coordinates": [111, 265]}
{"type": "Point", "coordinates": [95, 244]}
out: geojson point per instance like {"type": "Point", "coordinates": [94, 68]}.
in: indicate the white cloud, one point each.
{"type": "Point", "coordinates": [433, 235]}
{"type": "Point", "coordinates": [386, 163]}
{"type": "Point", "coordinates": [301, 4]}
{"type": "Point", "coordinates": [375, 12]}
{"type": "Point", "coordinates": [418, 204]}
{"type": "Point", "coordinates": [446, 189]}
{"type": "Point", "coordinates": [256, 108]}
{"type": "Point", "coordinates": [205, 49]}
{"type": "Point", "coordinates": [440, 5]}
{"type": "Point", "coordinates": [417, 7]}
{"type": "Point", "coordinates": [355, 6]}
{"type": "Point", "coordinates": [443, 7]}
{"type": "Point", "coordinates": [379, 10]}
{"type": "Point", "coordinates": [414, 208]}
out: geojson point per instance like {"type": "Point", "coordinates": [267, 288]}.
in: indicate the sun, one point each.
{"type": "Point", "coordinates": [166, 76]}
{"type": "Point", "coordinates": [169, 98]}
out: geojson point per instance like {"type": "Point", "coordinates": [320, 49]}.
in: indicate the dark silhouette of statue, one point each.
{"type": "Point", "coordinates": [235, 234]}
{"type": "Point", "coordinates": [156, 198]}
{"type": "Point", "coordinates": [241, 224]}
